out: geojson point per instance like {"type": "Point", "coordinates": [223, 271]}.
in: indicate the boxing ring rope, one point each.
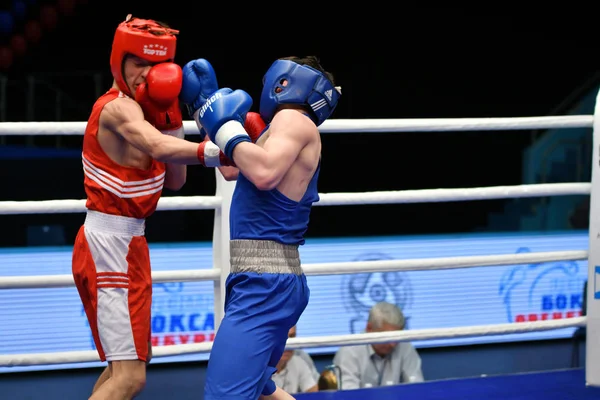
{"type": "Point", "coordinates": [221, 203]}
{"type": "Point", "coordinates": [347, 125]}
{"type": "Point", "coordinates": [328, 199]}
{"type": "Point", "coordinates": [330, 268]}
{"type": "Point", "coordinates": [310, 342]}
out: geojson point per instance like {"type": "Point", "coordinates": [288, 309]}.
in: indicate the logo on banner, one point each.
{"type": "Point", "coordinates": [538, 292]}
{"type": "Point", "coordinates": [180, 315]}
{"type": "Point", "coordinates": [362, 291]}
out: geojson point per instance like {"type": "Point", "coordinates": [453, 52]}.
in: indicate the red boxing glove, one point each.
{"type": "Point", "coordinates": [159, 98]}
{"type": "Point", "coordinates": [210, 155]}
{"type": "Point", "coordinates": [254, 125]}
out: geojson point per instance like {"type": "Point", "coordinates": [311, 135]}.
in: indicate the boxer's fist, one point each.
{"type": "Point", "coordinates": [164, 83]}
{"type": "Point", "coordinates": [199, 82]}
{"type": "Point", "coordinates": [254, 125]}
{"type": "Point", "coordinates": [159, 96]}
{"type": "Point", "coordinates": [222, 117]}
{"type": "Point", "coordinates": [211, 156]}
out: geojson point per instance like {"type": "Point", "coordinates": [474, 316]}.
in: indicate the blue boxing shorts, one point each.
{"type": "Point", "coordinates": [266, 293]}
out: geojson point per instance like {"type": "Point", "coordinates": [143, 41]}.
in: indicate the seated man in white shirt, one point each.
{"type": "Point", "coordinates": [296, 372]}
{"type": "Point", "coordinates": [374, 365]}
{"type": "Point", "coordinates": [308, 359]}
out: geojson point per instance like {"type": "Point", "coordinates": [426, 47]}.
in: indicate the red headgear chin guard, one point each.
{"type": "Point", "coordinates": [144, 38]}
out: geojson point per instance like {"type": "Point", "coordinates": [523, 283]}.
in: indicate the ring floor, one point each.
{"type": "Point", "coordinates": [554, 385]}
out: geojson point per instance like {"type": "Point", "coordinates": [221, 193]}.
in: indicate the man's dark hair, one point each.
{"type": "Point", "coordinates": [311, 61]}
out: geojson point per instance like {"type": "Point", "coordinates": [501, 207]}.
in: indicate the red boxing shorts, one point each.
{"type": "Point", "coordinates": [111, 268]}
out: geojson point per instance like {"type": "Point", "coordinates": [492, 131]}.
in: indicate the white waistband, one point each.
{"type": "Point", "coordinates": [114, 224]}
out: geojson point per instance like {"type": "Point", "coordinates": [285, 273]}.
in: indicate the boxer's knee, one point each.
{"type": "Point", "coordinates": [129, 376]}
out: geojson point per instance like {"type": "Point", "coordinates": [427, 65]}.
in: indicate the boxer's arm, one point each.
{"type": "Point", "coordinates": [289, 132]}
{"type": "Point", "coordinates": [125, 117]}
{"type": "Point", "coordinates": [176, 174]}
{"type": "Point", "coordinates": [254, 125]}
{"type": "Point", "coordinates": [229, 173]}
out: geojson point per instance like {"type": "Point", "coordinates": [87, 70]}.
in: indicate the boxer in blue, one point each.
{"type": "Point", "coordinates": [266, 291]}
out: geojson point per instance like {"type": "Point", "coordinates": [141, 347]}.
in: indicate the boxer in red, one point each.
{"type": "Point", "coordinates": [133, 147]}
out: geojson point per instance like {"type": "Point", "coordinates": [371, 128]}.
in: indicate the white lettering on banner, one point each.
{"type": "Point", "coordinates": [209, 102]}
{"type": "Point", "coordinates": [155, 50]}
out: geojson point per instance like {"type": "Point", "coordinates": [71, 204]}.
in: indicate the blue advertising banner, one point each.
{"type": "Point", "coordinates": [52, 320]}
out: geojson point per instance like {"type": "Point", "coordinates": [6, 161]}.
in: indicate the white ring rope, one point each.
{"type": "Point", "coordinates": [78, 206]}
{"type": "Point", "coordinates": [430, 264]}
{"type": "Point", "coordinates": [454, 124]}
{"type": "Point", "coordinates": [347, 125]}
{"type": "Point", "coordinates": [13, 360]}
{"type": "Point", "coordinates": [333, 268]}
{"type": "Point", "coordinates": [329, 199]}
{"type": "Point", "coordinates": [461, 194]}
{"type": "Point", "coordinates": [61, 281]}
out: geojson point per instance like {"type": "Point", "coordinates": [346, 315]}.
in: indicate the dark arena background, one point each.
{"type": "Point", "coordinates": [392, 60]}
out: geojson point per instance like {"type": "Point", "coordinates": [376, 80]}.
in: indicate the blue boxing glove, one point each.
{"type": "Point", "coordinates": [223, 115]}
{"type": "Point", "coordinates": [199, 82]}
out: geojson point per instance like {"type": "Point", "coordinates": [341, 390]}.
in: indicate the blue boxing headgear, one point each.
{"type": "Point", "coordinates": [306, 86]}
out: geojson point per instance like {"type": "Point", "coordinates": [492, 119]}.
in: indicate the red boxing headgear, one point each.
{"type": "Point", "coordinates": [144, 38]}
